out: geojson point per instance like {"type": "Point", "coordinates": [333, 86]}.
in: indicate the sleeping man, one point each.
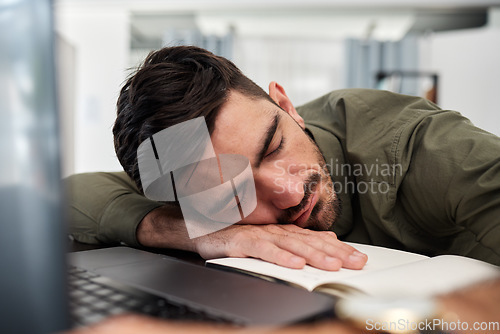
{"type": "Point", "coordinates": [356, 165]}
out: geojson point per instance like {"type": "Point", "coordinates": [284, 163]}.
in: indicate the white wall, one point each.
{"type": "Point", "coordinates": [99, 34]}
{"type": "Point", "coordinates": [306, 67]}
{"type": "Point", "coordinates": [468, 63]}
{"type": "Point", "coordinates": [100, 37]}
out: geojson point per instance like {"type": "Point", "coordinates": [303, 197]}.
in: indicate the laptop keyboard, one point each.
{"type": "Point", "coordinates": [93, 298]}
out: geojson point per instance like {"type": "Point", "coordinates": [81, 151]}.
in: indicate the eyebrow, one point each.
{"type": "Point", "coordinates": [269, 134]}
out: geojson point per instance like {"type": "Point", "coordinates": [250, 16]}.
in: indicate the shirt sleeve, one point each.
{"type": "Point", "coordinates": [105, 208]}
{"type": "Point", "coordinates": [455, 166]}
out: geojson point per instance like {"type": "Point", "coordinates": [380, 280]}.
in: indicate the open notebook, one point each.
{"type": "Point", "coordinates": [388, 273]}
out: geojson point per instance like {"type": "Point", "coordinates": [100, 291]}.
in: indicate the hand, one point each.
{"type": "Point", "coordinates": [286, 245]}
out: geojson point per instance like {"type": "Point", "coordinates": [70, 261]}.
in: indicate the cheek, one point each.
{"type": "Point", "coordinates": [304, 152]}
{"type": "Point", "coordinates": [300, 162]}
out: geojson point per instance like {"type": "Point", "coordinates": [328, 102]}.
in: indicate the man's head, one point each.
{"type": "Point", "coordinates": [173, 85]}
{"type": "Point", "coordinates": [180, 83]}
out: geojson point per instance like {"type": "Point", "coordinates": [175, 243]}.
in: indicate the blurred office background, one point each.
{"type": "Point", "coordinates": [445, 50]}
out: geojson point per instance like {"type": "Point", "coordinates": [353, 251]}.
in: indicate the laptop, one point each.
{"type": "Point", "coordinates": [198, 292]}
{"type": "Point", "coordinates": [41, 285]}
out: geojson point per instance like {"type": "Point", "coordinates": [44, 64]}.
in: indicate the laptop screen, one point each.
{"type": "Point", "coordinates": [32, 243]}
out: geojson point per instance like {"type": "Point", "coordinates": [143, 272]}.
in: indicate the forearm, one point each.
{"type": "Point", "coordinates": [108, 208]}
{"type": "Point", "coordinates": [164, 227]}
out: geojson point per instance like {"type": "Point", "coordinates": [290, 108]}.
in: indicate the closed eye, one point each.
{"type": "Point", "coordinates": [277, 149]}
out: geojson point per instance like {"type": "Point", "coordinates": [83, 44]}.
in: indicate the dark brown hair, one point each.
{"type": "Point", "coordinates": [173, 85]}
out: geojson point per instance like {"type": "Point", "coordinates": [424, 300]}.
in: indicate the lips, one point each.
{"type": "Point", "coordinates": [301, 218]}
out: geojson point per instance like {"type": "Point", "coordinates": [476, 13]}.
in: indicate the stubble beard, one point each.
{"type": "Point", "coordinates": [328, 207]}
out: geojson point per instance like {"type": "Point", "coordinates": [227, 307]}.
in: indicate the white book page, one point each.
{"type": "Point", "coordinates": [433, 276]}
{"type": "Point", "coordinates": [378, 258]}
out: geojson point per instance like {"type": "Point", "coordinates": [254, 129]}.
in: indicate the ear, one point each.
{"type": "Point", "coordinates": [277, 93]}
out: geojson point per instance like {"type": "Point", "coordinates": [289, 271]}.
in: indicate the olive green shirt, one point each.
{"type": "Point", "coordinates": [410, 176]}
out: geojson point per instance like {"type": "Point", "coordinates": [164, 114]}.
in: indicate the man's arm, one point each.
{"type": "Point", "coordinates": [108, 208]}
{"type": "Point", "coordinates": [105, 208]}
{"type": "Point", "coordinates": [286, 245]}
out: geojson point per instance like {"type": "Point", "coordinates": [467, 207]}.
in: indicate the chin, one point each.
{"type": "Point", "coordinates": [318, 220]}
{"type": "Point", "coordinates": [325, 213]}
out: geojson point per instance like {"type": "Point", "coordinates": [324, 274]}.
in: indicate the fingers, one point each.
{"type": "Point", "coordinates": [270, 252]}
{"type": "Point", "coordinates": [286, 245]}
{"type": "Point", "coordinates": [323, 250]}
{"type": "Point", "coordinates": [327, 243]}
{"type": "Point", "coordinates": [313, 256]}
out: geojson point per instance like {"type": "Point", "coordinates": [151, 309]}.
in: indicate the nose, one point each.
{"type": "Point", "coordinates": [284, 192]}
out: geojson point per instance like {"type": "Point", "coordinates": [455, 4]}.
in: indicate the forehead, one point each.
{"type": "Point", "coordinates": [241, 124]}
